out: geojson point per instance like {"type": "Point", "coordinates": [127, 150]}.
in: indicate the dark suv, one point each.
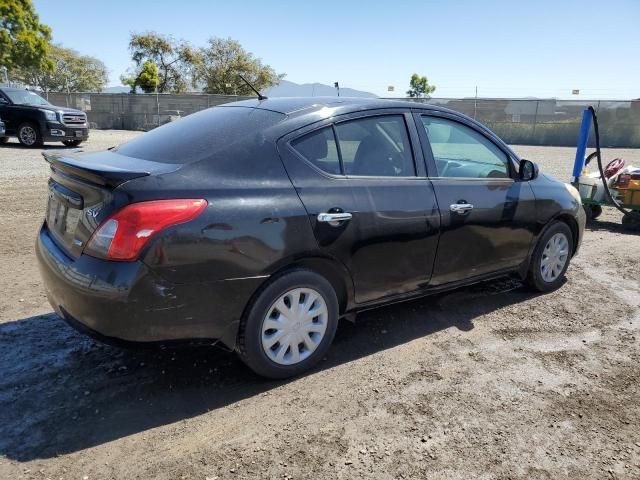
{"type": "Point", "coordinates": [260, 223]}
{"type": "Point", "coordinates": [34, 120]}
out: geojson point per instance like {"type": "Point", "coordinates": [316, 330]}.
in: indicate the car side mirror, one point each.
{"type": "Point", "coordinates": [3, 101]}
{"type": "Point", "coordinates": [528, 170]}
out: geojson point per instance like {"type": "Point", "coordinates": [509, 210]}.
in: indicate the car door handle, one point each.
{"type": "Point", "coordinates": [461, 208]}
{"type": "Point", "coordinates": [334, 219]}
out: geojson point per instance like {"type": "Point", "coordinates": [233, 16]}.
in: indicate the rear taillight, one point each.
{"type": "Point", "coordinates": [123, 235]}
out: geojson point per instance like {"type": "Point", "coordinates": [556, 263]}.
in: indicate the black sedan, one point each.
{"type": "Point", "coordinates": [260, 223]}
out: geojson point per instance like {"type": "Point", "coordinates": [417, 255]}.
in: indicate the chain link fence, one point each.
{"type": "Point", "coordinates": [550, 122]}
{"type": "Point", "coordinates": [524, 122]}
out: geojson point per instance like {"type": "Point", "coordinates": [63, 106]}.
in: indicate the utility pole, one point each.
{"type": "Point", "coordinates": [337, 87]}
{"type": "Point", "coordinates": [158, 101]}
{"type": "Point", "coordinates": [68, 90]}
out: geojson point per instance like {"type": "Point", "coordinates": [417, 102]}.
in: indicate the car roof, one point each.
{"type": "Point", "coordinates": [303, 110]}
{"type": "Point", "coordinates": [293, 105]}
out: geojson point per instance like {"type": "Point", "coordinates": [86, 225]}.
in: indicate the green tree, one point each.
{"type": "Point", "coordinates": [419, 86]}
{"type": "Point", "coordinates": [24, 41]}
{"type": "Point", "coordinates": [220, 63]}
{"type": "Point", "coordinates": [71, 71]}
{"type": "Point", "coordinates": [146, 78]}
{"type": "Point", "coordinates": [173, 59]}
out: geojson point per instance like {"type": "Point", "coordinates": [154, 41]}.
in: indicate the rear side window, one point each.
{"type": "Point", "coordinates": [319, 148]}
{"type": "Point", "coordinates": [201, 135]}
{"type": "Point", "coordinates": [373, 146]}
{"type": "Point", "coordinates": [376, 146]}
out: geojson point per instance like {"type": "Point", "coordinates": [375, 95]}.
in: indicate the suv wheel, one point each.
{"type": "Point", "coordinates": [72, 143]}
{"type": "Point", "coordinates": [551, 258]}
{"type": "Point", "coordinates": [29, 135]}
{"type": "Point", "coordinates": [289, 327]}
{"type": "Point", "coordinates": [4, 140]}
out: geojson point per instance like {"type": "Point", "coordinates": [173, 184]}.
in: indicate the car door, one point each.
{"type": "Point", "coordinates": [362, 180]}
{"type": "Point", "coordinates": [6, 114]}
{"type": "Point", "coordinates": [487, 215]}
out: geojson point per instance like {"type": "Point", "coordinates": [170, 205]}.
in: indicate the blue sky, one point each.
{"type": "Point", "coordinates": [511, 48]}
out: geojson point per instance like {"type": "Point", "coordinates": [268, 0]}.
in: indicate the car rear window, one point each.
{"type": "Point", "coordinates": [200, 135]}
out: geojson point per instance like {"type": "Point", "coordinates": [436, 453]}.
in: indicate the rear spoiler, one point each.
{"type": "Point", "coordinates": [104, 168]}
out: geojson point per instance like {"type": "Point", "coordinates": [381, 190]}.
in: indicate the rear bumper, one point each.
{"type": "Point", "coordinates": [128, 302]}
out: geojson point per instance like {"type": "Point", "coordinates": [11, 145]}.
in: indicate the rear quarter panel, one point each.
{"type": "Point", "coordinates": [254, 218]}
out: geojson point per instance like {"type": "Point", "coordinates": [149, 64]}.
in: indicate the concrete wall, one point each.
{"type": "Point", "coordinates": [137, 112]}
{"type": "Point", "coordinates": [527, 122]}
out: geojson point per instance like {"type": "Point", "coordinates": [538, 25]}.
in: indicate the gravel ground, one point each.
{"type": "Point", "coordinates": [485, 382]}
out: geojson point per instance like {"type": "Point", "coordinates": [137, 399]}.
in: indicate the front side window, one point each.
{"type": "Point", "coordinates": [460, 151]}
{"type": "Point", "coordinates": [376, 146]}
{"type": "Point", "coordinates": [319, 148]}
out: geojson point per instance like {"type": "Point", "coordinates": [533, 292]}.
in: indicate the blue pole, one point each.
{"type": "Point", "coordinates": [578, 165]}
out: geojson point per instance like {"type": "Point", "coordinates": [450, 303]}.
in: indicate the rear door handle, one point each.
{"type": "Point", "coordinates": [334, 219]}
{"type": "Point", "coordinates": [461, 208]}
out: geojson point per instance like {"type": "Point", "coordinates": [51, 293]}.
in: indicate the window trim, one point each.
{"type": "Point", "coordinates": [428, 152]}
{"type": "Point", "coordinates": [412, 133]}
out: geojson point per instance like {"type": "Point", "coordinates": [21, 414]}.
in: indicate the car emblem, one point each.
{"type": "Point", "coordinates": [92, 212]}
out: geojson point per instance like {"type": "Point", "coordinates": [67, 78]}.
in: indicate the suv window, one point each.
{"type": "Point", "coordinates": [319, 148]}
{"type": "Point", "coordinates": [460, 151]}
{"type": "Point", "coordinates": [376, 146]}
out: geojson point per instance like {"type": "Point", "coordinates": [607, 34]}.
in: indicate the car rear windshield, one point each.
{"type": "Point", "coordinates": [200, 135]}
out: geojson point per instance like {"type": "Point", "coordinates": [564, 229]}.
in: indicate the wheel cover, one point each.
{"type": "Point", "coordinates": [28, 135]}
{"type": "Point", "coordinates": [294, 326]}
{"type": "Point", "coordinates": [554, 257]}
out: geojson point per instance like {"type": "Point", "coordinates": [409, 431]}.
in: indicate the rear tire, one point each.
{"type": "Point", "coordinates": [29, 135]}
{"type": "Point", "coordinates": [551, 258]}
{"type": "Point", "coordinates": [289, 326]}
{"type": "Point", "coordinates": [72, 143]}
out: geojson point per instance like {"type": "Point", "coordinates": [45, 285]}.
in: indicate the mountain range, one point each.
{"type": "Point", "coordinates": [287, 89]}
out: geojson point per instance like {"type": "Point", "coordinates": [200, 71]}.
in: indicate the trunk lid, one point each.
{"type": "Point", "coordinates": [83, 191]}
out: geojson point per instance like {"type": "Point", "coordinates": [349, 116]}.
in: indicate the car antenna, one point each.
{"type": "Point", "coordinates": [260, 96]}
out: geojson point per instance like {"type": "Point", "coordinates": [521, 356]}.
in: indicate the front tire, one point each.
{"type": "Point", "coordinates": [72, 143]}
{"type": "Point", "coordinates": [551, 258]}
{"type": "Point", "coordinates": [29, 135]}
{"type": "Point", "coordinates": [289, 326]}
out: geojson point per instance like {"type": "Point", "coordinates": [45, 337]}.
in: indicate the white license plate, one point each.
{"type": "Point", "coordinates": [78, 133]}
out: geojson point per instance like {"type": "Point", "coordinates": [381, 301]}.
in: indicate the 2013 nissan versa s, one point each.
{"type": "Point", "coordinates": [260, 223]}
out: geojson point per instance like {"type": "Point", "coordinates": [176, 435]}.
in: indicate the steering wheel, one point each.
{"type": "Point", "coordinates": [613, 167]}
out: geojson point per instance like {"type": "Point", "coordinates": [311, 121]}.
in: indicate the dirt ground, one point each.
{"type": "Point", "coordinates": [486, 382]}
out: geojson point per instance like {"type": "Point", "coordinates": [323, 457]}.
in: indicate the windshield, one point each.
{"type": "Point", "coordinates": [25, 97]}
